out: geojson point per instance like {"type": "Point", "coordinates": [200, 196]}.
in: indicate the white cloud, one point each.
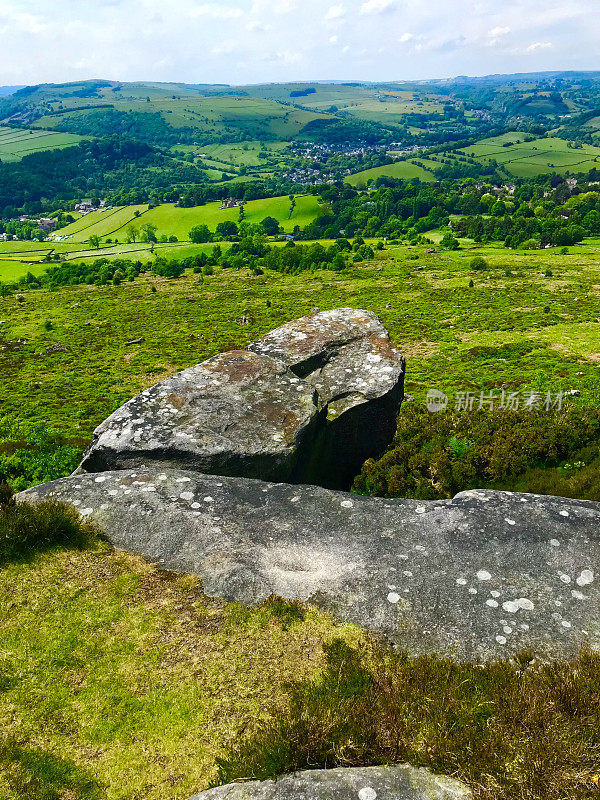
{"type": "Point", "coordinates": [336, 12]}
{"type": "Point", "coordinates": [406, 37]}
{"type": "Point", "coordinates": [498, 31]}
{"type": "Point", "coordinates": [377, 6]}
{"type": "Point", "coordinates": [535, 46]}
{"type": "Point", "coordinates": [333, 39]}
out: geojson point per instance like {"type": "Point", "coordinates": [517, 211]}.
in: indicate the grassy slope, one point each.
{"type": "Point", "coordinates": [16, 143]}
{"type": "Point", "coordinates": [400, 169]}
{"type": "Point", "coordinates": [120, 682]}
{"type": "Point", "coordinates": [172, 220]}
{"type": "Point", "coordinates": [433, 316]}
{"type": "Point", "coordinates": [528, 159]}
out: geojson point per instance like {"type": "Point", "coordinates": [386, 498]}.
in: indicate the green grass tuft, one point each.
{"type": "Point", "coordinates": [28, 528]}
{"type": "Point", "coordinates": [512, 731]}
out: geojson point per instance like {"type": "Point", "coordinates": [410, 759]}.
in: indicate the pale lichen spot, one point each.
{"type": "Point", "coordinates": [501, 639]}
{"type": "Point", "coordinates": [483, 575]}
{"type": "Point", "coordinates": [347, 504]}
{"type": "Point", "coordinates": [367, 793]}
{"type": "Point", "coordinates": [586, 577]}
{"type": "Point", "coordinates": [393, 597]}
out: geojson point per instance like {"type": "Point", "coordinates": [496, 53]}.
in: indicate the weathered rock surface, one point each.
{"type": "Point", "coordinates": [347, 356]}
{"type": "Point", "coordinates": [306, 404]}
{"type": "Point", "coordinates": [480, 577]}
{"type": "Point", "coordinates": [363, 783]}
{"type": "Point", "coordinates": [238, 413]}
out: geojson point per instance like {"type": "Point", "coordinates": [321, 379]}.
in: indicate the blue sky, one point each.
{"type": "Point", "coordinates": [255, 41]}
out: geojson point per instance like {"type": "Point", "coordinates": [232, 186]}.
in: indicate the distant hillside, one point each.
{"type": "Point", "coordinates": [6, 91]}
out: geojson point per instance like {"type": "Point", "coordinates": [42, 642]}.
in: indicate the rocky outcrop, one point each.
{"type": "Point", "coordinates": [306, 404]}
{"type": "Point", "coordinates": [238, 413]}
{"type": "Point", "coordinates": [482, 576]}
{"type": "Point", "coordinates": [359, 377]}
{"type": "Point", "coordinates": [363, 783]}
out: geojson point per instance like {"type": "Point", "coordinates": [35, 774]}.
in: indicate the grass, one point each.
{"type": "Point", "coordinates": [528, 159]}
{"type": "Point", "coordinates": [433, 316]}
{"type": "Point", "coordinates": [172, 220]}
{"type": "Point", "coordinates": [255, 117]}
{"type": "Point", "coordinates": [118, 681]}
{"type": "Point", "coordinates": [399, 169]}
{"type": "Point", "coordinates": [511, 731]}
{"type": "Point", "coordinates": [26, 529]}
{"type": "Point", "coordinates": [16, 143]}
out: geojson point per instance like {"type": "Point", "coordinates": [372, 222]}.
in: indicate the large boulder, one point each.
{"type": "Point", "coordinates": [347, 356]}
{"type": "Point", "coordinates": [311, 413]}
{"type": "Point", "coordinates": [359, 783]}
{"type": "Point", "coordinates": [238, 413]}
{"type": "Point", "coordinates": [480, 577]}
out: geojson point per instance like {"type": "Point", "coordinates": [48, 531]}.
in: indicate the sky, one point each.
{"type": "Point", "coordinates": [261, 41]}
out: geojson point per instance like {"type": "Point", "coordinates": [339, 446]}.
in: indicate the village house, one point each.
{"type": "Point", "coordinates": [85, 208]}
{"type": "Point", "coordinates": [231, 202]}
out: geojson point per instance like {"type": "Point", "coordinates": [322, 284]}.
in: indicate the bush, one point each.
{"type": "Point", "coordinates": [27, 528]}
{"type": "Point", "coordinates": [449, 242]}
{"type": "Point", "coordinates": [512, 731]}
{"type": "Point", "coordinates": [478, 263]}
{"type": "Point", "coordinates": [32, 454]}
{"type": "Point", "coordinates": [514, 450]}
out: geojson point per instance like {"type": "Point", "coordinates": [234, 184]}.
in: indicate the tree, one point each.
{"type": "Point", "coordinates": [149, 232]}
{"type": "Point", "coordinates": [270, 226]}
{"type": "Point", "coordinates": [448, 242]}
{"type": "Point", "coordinates": [227, 229]}
{"type": "Point", "coordinates": [131, 234]}
{"type": "Point", "coordinates": [200, 234]}
{"type": "Point", "coordinates": [94, 241]}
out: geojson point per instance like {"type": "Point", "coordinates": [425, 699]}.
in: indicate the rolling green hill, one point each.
{"type": "Point", "coordinates": [16, 143]}
{"type": "Point", "coordinates": [526, 159]}
{"type": "Point", "coordinates": [171, 220]}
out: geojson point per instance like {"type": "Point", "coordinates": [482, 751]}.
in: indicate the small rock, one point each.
{"type": "Point", "coordinates": [55, 348]}
{"type": "Point", "coordinates": [135, 341]}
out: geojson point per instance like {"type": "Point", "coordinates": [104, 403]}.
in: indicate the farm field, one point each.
{"type": "Point", "coordinates": [528, 159]}
{"type": "Point", "coordinates": [242, 154]}
{"type": "Point", "coordinates": [16, 143]}
{"type": "Point", "coordinates": [399, 169]}
{"type": "Point", "coordinates": [172, 220]}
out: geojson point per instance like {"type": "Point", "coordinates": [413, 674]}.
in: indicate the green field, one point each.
{"type": "Point", "coordinates": [172, 220]}
{"type": "Point", "coordinates": [529, 159]}
{"type": "Point", "coordinates": [256, 117]}
{"type": "Point", "coordinates": [432, 314]}
{"type": "Point", "coordinates": [399, 169]}
{"type": "Point", "coordinates": [16, 143]}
